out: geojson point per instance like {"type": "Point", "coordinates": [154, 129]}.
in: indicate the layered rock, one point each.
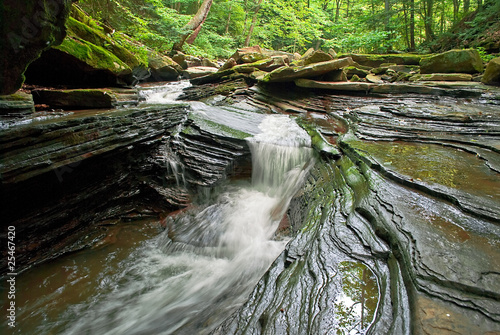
{"type": "Point", "coordinates": [414, 199]}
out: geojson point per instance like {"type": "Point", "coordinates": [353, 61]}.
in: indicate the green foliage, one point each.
{"type": "Point", "coordinates": [484, 55]}
{"type": "Point", "coordinates": [291, 25]}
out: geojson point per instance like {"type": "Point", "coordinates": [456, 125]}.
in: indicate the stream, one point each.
{"type": "Point", "coordinates": [190, 277]}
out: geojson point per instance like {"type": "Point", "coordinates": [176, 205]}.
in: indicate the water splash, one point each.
{"type": "Point", "coordinates": [188, 279]}
{"type": "Point", "coordinates": [163, 94]}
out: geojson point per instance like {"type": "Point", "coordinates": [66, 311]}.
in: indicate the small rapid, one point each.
{"type": "Point", "coordinates": [189, 278]}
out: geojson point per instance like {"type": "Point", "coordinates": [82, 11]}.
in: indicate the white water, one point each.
{"type": "Point", "coordinates": [188, 279]}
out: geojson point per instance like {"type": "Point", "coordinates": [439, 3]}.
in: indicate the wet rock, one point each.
{"type": "Point", "coordinates": [453, 61]}
{"type": "Point", "coordinates": [288, 74]}
{"type": "Point", "coordinates": [413, 199]}
{"type": "Point", "coordinates": [16, 104]}
{"type": "Point", "coordinates": [491, 75]}
{"type": "Point", "coordinates": [63, 164]}
{"type": "Point", "coordinates": [26, 29]}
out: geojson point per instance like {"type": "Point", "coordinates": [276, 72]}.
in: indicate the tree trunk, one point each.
{"type": "Point", "coordinates": [252, 26]}
{"type": "Point", "coordinates": [347, 9]}
{"type": "Point", "coordinates": [337, 10]}
{"type": "Point", "coordinates": [479, 5]}
{"type": "Point", "coordinates": [466, 6]}
{"type": "Point", "coordinates": [412, 25]}
{"type": "Point", "coordinates": [194, 25]}
{"type": "Point", "coordinates": [229, 18]}
{"type": "Point", "coordinates": [428, 19]}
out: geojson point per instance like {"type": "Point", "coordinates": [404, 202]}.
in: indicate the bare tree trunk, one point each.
{"type": "Point", "coordinates": [229, 18]}
{"type": "Point", "coordinates": [428, 19]}
{"type": "Point", "coordinates": [479, 5]}
{"type": "Point", "coordinates": [466, 6]}
{"type": "Point", "coordinates": [194, 24]}
{"type": "Point", "coordinates": [412, 25]}
{"type": "Point", "coordinates": [252, 26]}
{"type": "Point", "coordinates": [337, 10]}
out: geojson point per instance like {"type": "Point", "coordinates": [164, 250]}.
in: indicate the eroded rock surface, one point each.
{"type": "Point", "coordinates": [415, 198]}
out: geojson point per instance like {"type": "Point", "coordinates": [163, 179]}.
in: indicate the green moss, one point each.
{"type": "Point", "coordinates": [93, 55]}
{"type": "Point", "coordinates": [83, 27]}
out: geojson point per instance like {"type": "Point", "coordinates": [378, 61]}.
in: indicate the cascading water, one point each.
{"type": "Point", "coordinates": [207, 261]}
{"type": "Point", "coordinates": [203, 266]}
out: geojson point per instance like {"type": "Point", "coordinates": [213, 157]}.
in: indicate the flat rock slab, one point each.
{"type": "Point", "coordinates": [289, 74]}
{"type": "Point", "coordinates": [18, 103]}
{"type": "Point", "coordinates": [383, 88]}
{"type": "Point", "coordinates": [198, 71]}
{"type": "Point", "coordinates": [442, 77]}
{"type": "Point", "coordinates": [85, 98]}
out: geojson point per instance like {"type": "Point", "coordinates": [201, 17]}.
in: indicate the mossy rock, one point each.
{"type": "Point", "coordinates": [17, 103]}
{"type": "Point", "coordinates": [453, 61]}
{"type": "Point", "coordinates": [27, 30]}
{"type": "Point", "coordinates": [492, 73]}
{"type": "Point", "coordinates": [373, 60]}
{"type": "Point", "coordinates": [95, 56]}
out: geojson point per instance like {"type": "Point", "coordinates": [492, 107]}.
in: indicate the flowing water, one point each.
{"type": "Point", "coordinates": [191, 276]}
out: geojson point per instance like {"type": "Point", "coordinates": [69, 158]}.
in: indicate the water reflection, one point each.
{"type": "Point", "coordinates": [356, 305]}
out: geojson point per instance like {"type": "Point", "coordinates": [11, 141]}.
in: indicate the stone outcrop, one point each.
{"type": "Point", "coordinates": [491, 75]}
{"type": "Point", "coordinates": [26, 29]}
{"type": "Point", "coordinates": [16, 104]}
{"type": "Point", "coordinates": [453, 61]}
{"type": "Point", "coordinates": [163, 68]}
{"type": "Point", "coordinates": [85, 98]}
{"type": "Point", "coordinates": [88, 57]}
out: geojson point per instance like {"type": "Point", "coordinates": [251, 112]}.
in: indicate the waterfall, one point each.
{"type": "Point", "coordinates": [189, 278]}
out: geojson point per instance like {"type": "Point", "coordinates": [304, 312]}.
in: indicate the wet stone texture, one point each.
{"type": "Point", "coordinates": [413, 202]}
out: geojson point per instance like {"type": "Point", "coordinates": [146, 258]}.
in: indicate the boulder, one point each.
{"type": "Point", "coordinates": [492, 73]}
{"type": "Point", "coordinates": [26, 29]}
{"type": "Point", "coordinates": [209, 63]}
{"type": "Point", "coordinates": [193, 61]}
{"type": "Point", "coordinates": [316, 57]}
{"type": "Point", "coordinates": [251, 54]}
{"type": "Point", "coordinates": [163, 68]}
{"type": "Point", "coordinates": [289, 74]}
{"type": "Point", "coordinates": [453, 61]}
{"type": "Point", "coordinates": [228, 64]}
{"type": "Point", "coordinates": [180, 59]}
{"type": "Point", "coordinates": [198, 71]}
{"type": "Point", "coordinates": [354, 70]}
{"type": "Point", "coordinates": [336, 75]}
{"type": "Point", "coordinates": [16, 104]}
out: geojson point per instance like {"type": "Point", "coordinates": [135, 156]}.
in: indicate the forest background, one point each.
{"type": "Point", "coordinates": [363, 26]}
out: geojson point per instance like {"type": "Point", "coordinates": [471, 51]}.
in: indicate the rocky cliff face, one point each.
{"type": "Point", "coordinates": [27, 28]}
